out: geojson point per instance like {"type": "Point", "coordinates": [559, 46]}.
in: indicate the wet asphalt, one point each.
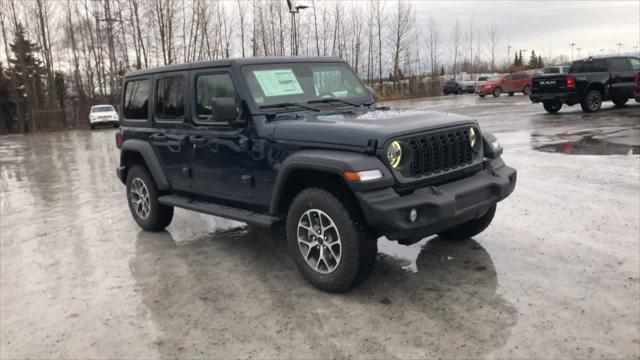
{"type": "Point", "coordinates": [556, 275]}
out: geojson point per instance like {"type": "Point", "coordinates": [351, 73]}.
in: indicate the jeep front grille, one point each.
{"type": "Point", "coordinates": [440, 151]}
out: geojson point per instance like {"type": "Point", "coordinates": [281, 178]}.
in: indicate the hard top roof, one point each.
{"type": "Point", "coordinates": [230, 62]}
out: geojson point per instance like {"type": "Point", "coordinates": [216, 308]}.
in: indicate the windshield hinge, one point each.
{"type": "Point", "coordinates": [372, 144]}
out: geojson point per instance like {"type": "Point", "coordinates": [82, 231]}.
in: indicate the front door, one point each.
{"type": "Point", "coordinates": [222, 163]}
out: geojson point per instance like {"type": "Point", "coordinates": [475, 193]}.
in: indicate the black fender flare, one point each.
{"type": "Point", "coordinates": [330, 161]}
{"type": "Point", "coordinates": [150, 159]}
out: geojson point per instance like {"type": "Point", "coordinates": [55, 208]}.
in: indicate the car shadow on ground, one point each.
{"type": "Point", "coordinates": [235, 292]}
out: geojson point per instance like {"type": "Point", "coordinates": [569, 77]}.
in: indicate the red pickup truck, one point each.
{"type": "Point", "coordinates": [505, 83]}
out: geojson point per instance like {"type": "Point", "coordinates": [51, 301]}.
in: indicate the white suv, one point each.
{"type": "Point", "coordinates": [103, 115]}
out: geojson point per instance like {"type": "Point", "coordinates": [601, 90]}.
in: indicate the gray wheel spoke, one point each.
{"type": "Point", "coordinates": [332, 252]}
{"type": "Point", "coordinates": [140, 198]}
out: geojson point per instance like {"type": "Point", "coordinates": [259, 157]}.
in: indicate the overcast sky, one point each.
{"type": "Point", "coordinates": [546, 26]}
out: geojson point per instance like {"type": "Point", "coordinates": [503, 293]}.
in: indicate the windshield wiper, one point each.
{"type": "Point", "coordinates": [287, 104]}
{"type": "Point", "coordinates": [332, 99]}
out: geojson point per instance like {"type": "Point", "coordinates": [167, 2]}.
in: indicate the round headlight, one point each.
{"type": "Point", "coordinates": [473, 137]}
{"type": "Point", "coordinates": [394, 154]}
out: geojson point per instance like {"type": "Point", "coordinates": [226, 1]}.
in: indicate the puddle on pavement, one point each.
{"type": "Point", "coordinates": [610, 141]}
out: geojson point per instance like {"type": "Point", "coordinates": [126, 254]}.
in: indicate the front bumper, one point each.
{"type": "Point", "coordinates": [100, 122]}
{"type": "Point", "coordinates": [439, 207]}
{"type": "Point", "coordinates": [569, 98]}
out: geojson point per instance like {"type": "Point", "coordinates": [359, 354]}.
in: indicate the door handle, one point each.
{"type": "Point", "coordinates": [197, 139]}
{"type": "Point", "coordinates": [159, 137]}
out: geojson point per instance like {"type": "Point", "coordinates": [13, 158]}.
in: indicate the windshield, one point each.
{"type": "Point", "coordinates": [551, 70]}
{"type": "Point", "coordinates": [104, 108]}
{"type": "Point", "coordinates": [495, 78]}
{"type": "Point", "coordinates": [299, 83]}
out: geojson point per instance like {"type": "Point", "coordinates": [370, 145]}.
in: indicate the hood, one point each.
{"type": "Point", "coordinates": [356, 129]}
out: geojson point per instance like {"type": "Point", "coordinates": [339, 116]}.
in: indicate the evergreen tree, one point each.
{"type": "Point", "coordinates": [26, 72]}
{"type": "Point", "coordinates": [515, 60]}
{"type": "Point", "coordinates": [7, 106]}
{"type": "Point", "coordinates": [540, 62]}
{"type": "Point", "coordinates": [442, 72]}
{"type": "Point", "coordinates": [533, 60]}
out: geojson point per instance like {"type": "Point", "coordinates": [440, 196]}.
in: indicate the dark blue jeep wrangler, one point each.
{"type": "Point", "coordinates": [300, 141]}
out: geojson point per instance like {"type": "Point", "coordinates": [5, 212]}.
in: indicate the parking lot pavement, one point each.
{"type": "Point", "coordinates": [557, 274]}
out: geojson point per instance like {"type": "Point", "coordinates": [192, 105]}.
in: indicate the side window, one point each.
{"type": "Point", "coordinates": [635, 64]}
{"type": "Point", "coordinates": [170, 98]}
{"type": "Point", "coordinates": [508, 78]}
{"type": "Point", "coordinates": [619, 65]}
{"type": "Point", "coordinates": [136, 100]}
{"type": "Point", "coordinates": [209, 87]}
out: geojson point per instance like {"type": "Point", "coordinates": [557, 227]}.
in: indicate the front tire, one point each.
{"type": "Point", "coordinates": [552, 107]}
{"type": "Point", "coordinates": [481, 95]}
{"type": "Point", "coordinates": [592, 101]}
{"type": "Point", "coordinates": [496, 92]}
{"type": "Point", "coordinates": [329, 248]}
{"type": "Point", "coordinates": [471, 228]}
{"type": "Point", "coordinates": [142, 196]}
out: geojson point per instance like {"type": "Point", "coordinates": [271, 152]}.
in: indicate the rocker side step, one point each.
{"type": "Point", "coordinates": [228, 212]}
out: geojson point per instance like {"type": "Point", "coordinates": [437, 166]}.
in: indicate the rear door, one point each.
{"type": "Point", "coordinates": [169, 135]}
{"type": "Point", "coordinates": [507, 85]}
{"type": "Point", "coordinates": [622, 78]}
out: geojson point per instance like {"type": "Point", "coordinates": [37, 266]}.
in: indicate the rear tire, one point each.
{"type": "Point", "coordinates": [592, 101]}
{"type": "Point", "coordinates": [445, 93]}
{"type": "Point", "coordinates": [471, 228]}
{"type": "Point", "coordinates": [620, 102]}
{"type": "Point", "coordinates": [526, 90]}
{"type": "Point", "coordinates": [552, 107]}
{"type": "Point", "coordinates": [459, 92]}
{"type": "Point", "coordinates": [93, 127]}
{"type": "Point", "coordinates": [142, 196]}
{"type": "Point", "coordinates": [331, 251]}
{"type": "Point", "coordinates": [496, 92]}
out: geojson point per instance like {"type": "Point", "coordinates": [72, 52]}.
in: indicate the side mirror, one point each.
{"type": "Point", "coordinates": [225, 109]}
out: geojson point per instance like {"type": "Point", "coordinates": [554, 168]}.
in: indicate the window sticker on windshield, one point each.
{"type": "Point", "coordinates": [278, 82]}
{"type": "Point", "coordinates": [359, 90]}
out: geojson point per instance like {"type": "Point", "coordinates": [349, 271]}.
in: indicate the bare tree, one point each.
{"type": "Point", "coordinates": [433, 45]}
{"type": "Point", "coordinates": [402, 25]}
{"type": "Point", "coordinates": [455, 43]}
{"type": "Point", "coordinates": [494, 39]}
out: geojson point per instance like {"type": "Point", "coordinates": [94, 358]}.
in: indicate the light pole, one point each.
{"type": "Point", "coordinates": [619, 47]}
{"type": "Point", "coordinates": [508, 53]}
{"type": "Point", "coordinates": [635, 47]}
{"type": "Point", "coordinates": [293, 10]}
{"type": "Point", "coordinates": [572, 45]}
